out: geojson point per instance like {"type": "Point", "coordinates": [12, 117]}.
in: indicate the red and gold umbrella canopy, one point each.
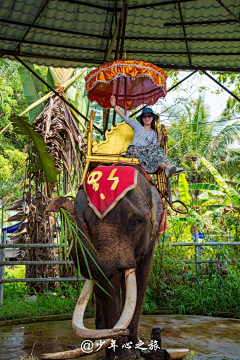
{"type": "Point", "coordinates": [133, 83]}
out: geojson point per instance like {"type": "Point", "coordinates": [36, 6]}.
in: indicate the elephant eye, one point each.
{"type": "Point", "coordinates": [134, 223]}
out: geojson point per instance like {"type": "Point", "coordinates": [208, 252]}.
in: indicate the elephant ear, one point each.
{"type": "Point", "coordinates": [81, 204]}
{"type": "Point", "coordinates": [157, 209]}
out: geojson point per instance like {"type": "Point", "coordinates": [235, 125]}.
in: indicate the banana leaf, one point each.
{"type": "Point", "coordinates": [71, 92]}
{"type": "Point", "coordinates": [183, 189]}
{"type": "Point", "coordinates": [208, 202]}
{"type": "Point", "coordinates": [233, 195]}
{"type": "Point", "coordinates": [50, 79]}
{"type": "Point", "coordinates": [22, 127]}
{"type": "Point", "coordinates": [33, 90]}
{"type": "Point", "coordinates": [204, 187]}
{"type": "Point", "coordinates": [82, 103]}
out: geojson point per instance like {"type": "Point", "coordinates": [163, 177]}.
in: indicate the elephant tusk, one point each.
{"type": "Point", "coordinates": [77, 320]}
{"type": "Point", "coordinates": [71, 354]}
{"type": "Point", "coordinates": [120, 329]}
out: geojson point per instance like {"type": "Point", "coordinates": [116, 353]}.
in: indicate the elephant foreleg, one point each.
{"type": "Point", "coordinates": [99, 319]}
{"type": "Point", "coordinates": [109, 310]}
{"type": "Point", "coordinates": [142, 275]}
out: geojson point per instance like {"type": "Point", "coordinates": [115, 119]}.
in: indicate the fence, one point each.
{"type": "Point", "coordinates": [198, 261]}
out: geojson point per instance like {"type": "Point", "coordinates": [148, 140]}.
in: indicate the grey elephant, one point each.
{"type": "Point", "coordinates": [124, 241]}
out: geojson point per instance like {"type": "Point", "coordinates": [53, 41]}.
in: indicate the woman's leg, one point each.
{"type": "Point", "coordinates": [170, 169]}
{"type": "Point", "coordinates": [164, 165]}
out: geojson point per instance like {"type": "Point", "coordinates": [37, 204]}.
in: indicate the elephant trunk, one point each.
{"type": "Point", "coordinates": [90, 262]}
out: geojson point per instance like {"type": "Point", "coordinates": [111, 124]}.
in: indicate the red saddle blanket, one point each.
{"type": "Point", "coordinates": [106, 185]}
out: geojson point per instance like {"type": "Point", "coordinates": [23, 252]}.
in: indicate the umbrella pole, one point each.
{"type": "Point", "coordinates": [125, 97]}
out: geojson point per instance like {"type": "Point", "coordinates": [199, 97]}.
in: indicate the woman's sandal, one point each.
{"type": "Point", "coordinates": [170, 170]}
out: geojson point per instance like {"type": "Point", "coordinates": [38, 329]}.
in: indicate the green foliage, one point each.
{"type": "Point", "coordinates": [171, 286]}
{"type": "Point", "coordinates": [12, 173]}
{"type": "Point", "coordinates": [232, 81]}
{"type": "Point", "coordinates": [231, 193]}
{"type": "Point", "coordinates": [49, 303]}
{"type": "Point", "coordinates": [192, 133]}
{"type": "Point", "coordinates": [183, 189]}
{"type": "Point", "coordinates": [12, 100]}
{"type": "Point", "coordinates": [33, 90]}
{"type": "Point", "coordinates": [60, 300]}
{"type": "Point", "coordinates": [5, 169]}
{"type": "Point", "coordinates": [11, 290]}
{"type": "Point", "coordinates": [204, 186]}
{"type": "Point", "coordinates": [24, 128]}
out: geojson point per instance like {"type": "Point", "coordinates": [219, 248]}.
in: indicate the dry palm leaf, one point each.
{"type": "Point", "coordinates": [63, 138]}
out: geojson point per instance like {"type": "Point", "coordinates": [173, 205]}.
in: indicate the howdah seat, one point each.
{"type": "Point", "coordinates": [113, 149]}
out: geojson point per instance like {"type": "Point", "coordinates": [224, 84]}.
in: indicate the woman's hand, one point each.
{"type": "Point", "coordinates": [112, 100]}
{"type": "Point", "coordinates": [116, 108]}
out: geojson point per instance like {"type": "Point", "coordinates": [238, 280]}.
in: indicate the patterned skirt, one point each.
{"type": "Point", "coordinates": [150, 157]}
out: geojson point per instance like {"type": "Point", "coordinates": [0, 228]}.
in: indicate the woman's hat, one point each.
{"type": "Point", "coordinates": [147, 111]}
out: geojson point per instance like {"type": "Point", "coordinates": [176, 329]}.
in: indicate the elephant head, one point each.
{"type": "Point", "coordinates": [124, 242]}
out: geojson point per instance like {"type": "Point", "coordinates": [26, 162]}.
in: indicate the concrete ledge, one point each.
{"type": "Point", "coordinates": [69, 317]}
{"type": "Point", "coordinates": [172, 312]}
{"type": "Point", "coordinates": [35, 319]}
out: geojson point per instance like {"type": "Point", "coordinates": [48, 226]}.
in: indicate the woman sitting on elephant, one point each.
{"type": "Point", "coordinates": [145, 145]}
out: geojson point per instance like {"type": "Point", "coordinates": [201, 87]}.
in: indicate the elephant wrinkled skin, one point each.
{"type": "Point", "coordinates": [124, 239]}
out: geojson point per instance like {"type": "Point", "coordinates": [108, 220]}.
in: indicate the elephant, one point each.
{"type": "Point", "coordinates": [124, 242]}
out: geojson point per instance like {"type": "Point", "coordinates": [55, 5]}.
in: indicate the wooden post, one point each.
{"type": "Point", "coordinates": [2, 258]}
{"type": "Point", "coordinates": [197, 253]}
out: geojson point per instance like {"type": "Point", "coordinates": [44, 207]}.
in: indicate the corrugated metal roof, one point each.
{"type": "Point", "coordinates": [71, 33]}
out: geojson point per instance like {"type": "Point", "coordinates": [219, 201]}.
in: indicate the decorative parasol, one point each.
{"type": "Point", "coordinates": [132, 82]}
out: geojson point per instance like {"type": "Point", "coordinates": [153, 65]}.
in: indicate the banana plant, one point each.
{"type": "Point", "coordinates": [36, 94]}
{"type": "Point", "coordinates": [213, 196]}
{"type": "Point", "coordinates": [33, 90]}
{"type": "Point", "coordinates": [23, 127]}
{"type": "Point", "coordinates": [233, 196]}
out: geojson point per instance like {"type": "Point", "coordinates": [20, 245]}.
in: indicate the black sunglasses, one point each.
{"type": "Point", "coordinates": [147, 116]}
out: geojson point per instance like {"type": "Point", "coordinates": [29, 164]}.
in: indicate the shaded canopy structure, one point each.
{"type": "Point", "coordinates": [179, 34]}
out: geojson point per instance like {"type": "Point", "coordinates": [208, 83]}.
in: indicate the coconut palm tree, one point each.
{"type": "Point", "coordinates": [192, 136]}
